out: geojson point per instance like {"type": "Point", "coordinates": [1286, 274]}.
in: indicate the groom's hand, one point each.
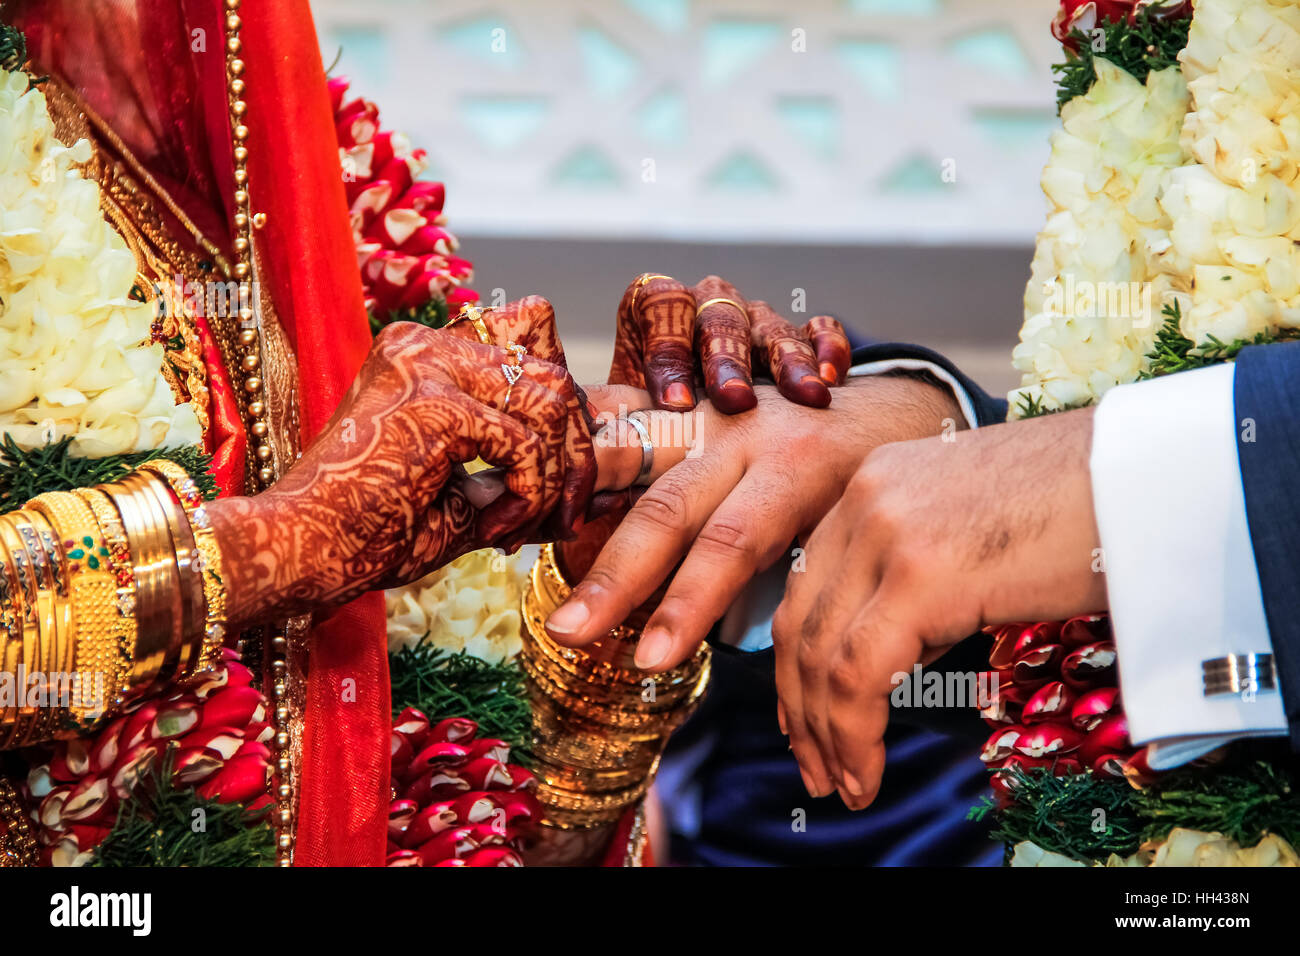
{"type": "Point", "coordinates": [931, 540]}
{"type": "Point", "coordinates": [735, 505]}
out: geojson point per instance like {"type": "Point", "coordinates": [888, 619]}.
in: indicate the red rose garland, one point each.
{"type": "Point", "coordinates": [406, 254]}
{"type": "Point", "coordinates": [218, 730]}
{"type": "Point", "coordinates": [1057, 705]}
{"type": "Point", "coordinates": [1086, 15]}
{"type": "Point", "coordinates": [457, 800]}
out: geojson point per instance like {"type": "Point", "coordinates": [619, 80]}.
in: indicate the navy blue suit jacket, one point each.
{"type": "Point", "coordinates": [1270, 477]}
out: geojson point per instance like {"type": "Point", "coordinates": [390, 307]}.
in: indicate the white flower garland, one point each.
{"type": "Point", "coordinates": [1235, 210]}
{"type": "Point", "coordinates": [1091, 309]}
{"type": "Point", "coordinates": [74, 352]}
{"type": "Point", "coordinates": [1198, 206]}
{"type": "Point", "coordinates": [470, 605]}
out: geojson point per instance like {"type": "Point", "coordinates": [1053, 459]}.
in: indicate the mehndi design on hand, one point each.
{"type": "Point", "coordinates": [380, 497]}
{"type": "Point", "coordinates": [663, 326]}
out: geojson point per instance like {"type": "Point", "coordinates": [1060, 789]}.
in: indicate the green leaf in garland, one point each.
{"type": "Point", "coordinates": [26, 473]}
{"type": "Point", "coordinates": [441, 684]}
{"type": "Point", "coordinates": [157, 827]}
{"type": "Point", "coordinates": [433, 314]}
{"type": "Point", "coordinates": [13, 48]}
{"type": "Point", "coordinates": [1254, 792]}
{"type": "Point", "coordinates": [1175, 352]}
{"type": "Point", "coordinates": [1151, 43]}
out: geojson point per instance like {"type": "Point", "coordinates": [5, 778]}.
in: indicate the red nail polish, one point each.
{"type": "Point", "coordinates": [830, 375]}
{"type": "Point", "coordinates": [734, 384]}
{"type": "Point", "coordinates": [677, 394]}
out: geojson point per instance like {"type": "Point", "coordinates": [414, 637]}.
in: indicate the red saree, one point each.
{"type": "Point", "coordinates": [155, 70]}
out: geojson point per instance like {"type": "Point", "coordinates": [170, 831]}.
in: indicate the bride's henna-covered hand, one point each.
{"type": "Point", "coordinates": [530, 323]}
{"type": "Point", "coordinates": [663, 326]}
{"type": "Point", "coordinates": [380, 497]}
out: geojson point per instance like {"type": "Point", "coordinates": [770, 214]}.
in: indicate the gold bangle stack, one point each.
{"type": "Point", "coordinates": [207, 561]}
{"type": "Point", "coordinates": [104, 593]}
{"type": "Point", "coordinates": [119, 566]}
{"type": "Point", "coordinates": [188, 563]}
{"type": "Point", "coordinates": [155, 575]}
{"type": "Point", "coordinates": [22, 654]}
{"type": "Point", "coordinates": [93, 661]}
{"type": "Point", "coordinates": [599, 724]}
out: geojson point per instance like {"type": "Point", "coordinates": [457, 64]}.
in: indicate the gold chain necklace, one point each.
{"type": "Point", "coordinates": [250, 365]}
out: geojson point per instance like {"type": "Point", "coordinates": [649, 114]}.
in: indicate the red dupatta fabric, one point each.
{"type": "Point", "coordinates": [155, 70]}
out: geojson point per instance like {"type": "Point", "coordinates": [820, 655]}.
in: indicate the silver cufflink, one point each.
{"type": "Point", "coordinates": [1245, 674]}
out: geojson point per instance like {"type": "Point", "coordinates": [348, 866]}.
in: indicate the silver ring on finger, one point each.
{"type": "Point", "coordinates": [637, 421]}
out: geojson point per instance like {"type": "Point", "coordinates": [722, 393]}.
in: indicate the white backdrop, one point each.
{"type": "Point", "coordinates": [839, 121]}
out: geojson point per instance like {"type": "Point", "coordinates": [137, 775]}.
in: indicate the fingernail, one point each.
{"type": "Point", "coordinates": [851, 783]}
{"type": "Point", "coordinates": [780, 720]}
{"type": "Point", "coordinates": [568, 618]}
{"type": "Point", "coordinates": [484, 487]}
{"type": "Point", "coordinates": [830, 375]}
{"type": "Point", "coordinates": [677, 394]}
{"type": "Point", "coordinates": [652, 648]}
{"type": "Point", "coordinates": [732, 384]}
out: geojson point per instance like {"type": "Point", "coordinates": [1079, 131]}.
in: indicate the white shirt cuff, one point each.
{"type": "Point", "coordinates": [1180, 569]}
{"type": "Point", "coordinates": [920, 365]}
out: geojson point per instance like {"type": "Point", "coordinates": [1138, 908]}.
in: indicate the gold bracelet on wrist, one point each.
{"type": "Point", "coordinates": [28, 616]}
{"type": "Point", "coordinates": [119, 566]}
{"type": "Point", "coordinates": [95, 653]}
{"type": "Point", "coordinates": [91, 657]}
{"type": "Point", "coordinates": [209, 562]}
{"type": "Point", "coordinates": [51, 596]}
{"type": "Point", "coordinates": [153, 630]}
{"type": "Point", "coordinates": [17, 845]}
{"type": "Point", "coordinates": [10, 610]}
{"type": "Point", "coordinates": [170, 591]}
{"type": "Point", "coordinates": [185, 552]}
{"type": "Point", "coordinates": [599, 723]}
{"type": "Point", "coordinates": [28, 526]}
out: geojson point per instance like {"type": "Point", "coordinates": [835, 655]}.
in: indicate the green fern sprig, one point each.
{"type": "Point", "coordinates": [1150, 43]}
{"type": "Point", "coordinates": [28, 472]}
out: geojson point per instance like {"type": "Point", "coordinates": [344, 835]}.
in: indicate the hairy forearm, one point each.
{"type": "Point", "coordinates": [902, 406]}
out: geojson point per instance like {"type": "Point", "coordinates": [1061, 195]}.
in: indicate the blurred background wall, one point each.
{"type": "Point", "coordinates": [878, 159]}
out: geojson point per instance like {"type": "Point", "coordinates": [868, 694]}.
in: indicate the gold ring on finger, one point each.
{"type": "Point", "coordinates": [474, 314]}
{"type": "Point", "coordinates": [641, 281]}
{"type": "Point", "coordinates": [722, 301]}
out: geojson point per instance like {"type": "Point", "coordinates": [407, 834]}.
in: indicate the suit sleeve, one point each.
{"type": "Point", "coordinates": [1181, 577]}
{"type": "Point", "coordinates": [1268, 419]}
{"type": "Point", "coordinates": [979, 407]}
